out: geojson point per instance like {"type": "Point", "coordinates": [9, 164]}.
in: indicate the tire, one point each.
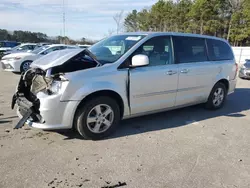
{"type": "Point", "coordinates": [98, 126]}
{"type": "Point", "coordinates": [218, 90]}
{"type": "Point", "coordinates": [24, 66]}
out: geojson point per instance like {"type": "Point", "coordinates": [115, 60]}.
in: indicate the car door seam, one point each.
{"type": "Point", "coordinates": [166, 92]}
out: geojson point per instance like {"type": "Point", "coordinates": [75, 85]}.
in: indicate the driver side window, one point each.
{"type": "Point", "coordinates": [158, 50]}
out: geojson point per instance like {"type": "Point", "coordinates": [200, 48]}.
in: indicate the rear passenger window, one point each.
{"type": "Point", "coordinates": [189, 49]}
{"type": "Point", "coordinates": [219, 50]}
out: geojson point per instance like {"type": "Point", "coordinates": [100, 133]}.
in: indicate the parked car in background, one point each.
{"type": "Point", "coordinates": [84, 46]}
{"type": "Point", "coordinates": [72, 47]}
{"type": "Point", "coordinates": [20, 62]}
{"type": "Point", "coordinates": [93, 89]}
{"type": "Point", "coordinates": [43, 43]}
{"type": "Point", "coordinates": [7, 45]}
{"type": "Point", "coordinates": [24, 47]}
{"type": "Point", "coordinates": [245, 70]}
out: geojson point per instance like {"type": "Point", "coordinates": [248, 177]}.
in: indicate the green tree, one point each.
{"type": "Point", "coordinates": [181, 12]}
{"type": "Point", "coordinates": [131, 22]}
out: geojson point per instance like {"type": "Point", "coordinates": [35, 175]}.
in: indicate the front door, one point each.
{"type": "Point", "coordinates": [154, 87]}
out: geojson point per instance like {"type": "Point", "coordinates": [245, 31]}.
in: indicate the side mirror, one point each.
{"type": "Point", "coordinates": [140, 60]}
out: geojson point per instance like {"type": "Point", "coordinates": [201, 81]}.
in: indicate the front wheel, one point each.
{"type": "Point", "coordinates": [97, 118]}
{"type": "Point", "coordinates": [217, 97]}
{"type": "Point", "coordinates": [25, 66]}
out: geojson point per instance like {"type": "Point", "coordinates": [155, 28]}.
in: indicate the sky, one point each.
{"type": "Point", "coordinates": [84, 18]}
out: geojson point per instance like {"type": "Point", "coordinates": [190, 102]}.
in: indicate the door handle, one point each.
{"type": "Point", "coordinates": [184, 71]}
{"type": "Point", "coordinates": [171, 72]}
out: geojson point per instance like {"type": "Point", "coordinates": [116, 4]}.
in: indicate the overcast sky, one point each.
{"type": "Point", "coordinates": [84, 18]}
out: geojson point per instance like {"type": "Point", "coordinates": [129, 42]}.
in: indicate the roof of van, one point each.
{"type": "Point", "coordinates": [173, 34]}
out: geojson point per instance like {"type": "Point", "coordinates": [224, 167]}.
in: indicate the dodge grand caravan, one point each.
{"type": "Point", "coordinates": [124, 76]}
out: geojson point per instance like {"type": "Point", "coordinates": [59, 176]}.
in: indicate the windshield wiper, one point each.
{"type": "Point", "coordinates": [92, 56]}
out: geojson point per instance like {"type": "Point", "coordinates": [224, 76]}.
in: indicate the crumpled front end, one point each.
{"type": "Point", "coordinates": [31, 82]}
{"type": "Point", "coordinates": [38, 101]}
{"type": "Point", "coordinates": [40, 91]}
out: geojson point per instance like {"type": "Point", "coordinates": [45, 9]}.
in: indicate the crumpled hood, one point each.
{"type": "Point", "coordinates": [54, 59]}
{"type": "Point", "coordinates": [21, 54]}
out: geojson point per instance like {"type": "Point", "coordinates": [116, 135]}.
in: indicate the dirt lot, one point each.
{"type": "Point", "coordinates": [191, 147]}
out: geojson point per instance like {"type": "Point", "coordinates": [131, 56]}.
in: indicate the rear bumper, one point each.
{"type": "Point", "coordinates": [232, 86]}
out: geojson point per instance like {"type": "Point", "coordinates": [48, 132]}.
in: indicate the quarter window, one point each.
{"type": "Point", "coordinates": [189, 49]}
{"type": "Point", "coordinates": [219, 50]}
{"type": "Point", "coordinates": [158, 50]}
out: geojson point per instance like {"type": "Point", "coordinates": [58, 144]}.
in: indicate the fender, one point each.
{"type": "Point", "coordinates": [90, 88]}
{"type": "Point", "coordinates": [98, 86]}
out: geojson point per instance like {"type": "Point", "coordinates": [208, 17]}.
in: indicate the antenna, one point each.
{"type": "Point", "coordinates": [63, 19]}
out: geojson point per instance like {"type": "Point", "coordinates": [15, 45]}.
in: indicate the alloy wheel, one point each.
{"type": "Point", "coordinates": [218, 97]}
{"type": "Point", "coordinates": [100, 118]}
{"type": "Point", "coordinates": [26, 66]}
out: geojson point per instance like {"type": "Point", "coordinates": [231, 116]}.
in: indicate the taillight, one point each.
{"type": "Point", "coordinates": [236, 70]}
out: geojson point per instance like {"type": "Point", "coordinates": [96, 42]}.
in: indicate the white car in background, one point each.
{"type": "Point", "coordinates": [20, 62]}
{"type": "Point", "coordinates": [24, 47]}
{"type": "Point", "coordinates": [84, 46]}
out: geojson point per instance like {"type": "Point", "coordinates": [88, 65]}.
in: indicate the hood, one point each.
{"type": "Point", "coordinates": [21, 54]}
{"type": "Point", "coordinates": [55, 59]}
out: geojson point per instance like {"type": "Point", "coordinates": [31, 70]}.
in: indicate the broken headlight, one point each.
{"type": "Point", "coordinates": [56, 86]}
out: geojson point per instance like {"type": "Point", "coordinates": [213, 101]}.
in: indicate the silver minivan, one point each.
{"type": "Point", "coordinates": [124, 76]}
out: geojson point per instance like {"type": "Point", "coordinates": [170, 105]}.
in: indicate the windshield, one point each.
{"type": "Point", "coordinates": [15, 48]}
{"type": "Point", "coordinates": [38, 50]}
{"type": "Point", "coordinates": [111, 49]}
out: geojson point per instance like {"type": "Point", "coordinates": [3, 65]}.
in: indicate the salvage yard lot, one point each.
{"type": "Point", "coordinates": [190, 147]}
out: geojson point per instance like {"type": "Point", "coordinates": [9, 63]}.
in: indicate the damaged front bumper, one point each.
{"type": "Point", "coordinates": [26, 110]}
{"type": "Point", "coordinates": [27, 103]}
{"type": "Point", "coordinates": [38, 107]}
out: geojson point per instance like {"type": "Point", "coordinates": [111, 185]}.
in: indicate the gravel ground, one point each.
{"type": "Point", "coordinates": [190, 147]}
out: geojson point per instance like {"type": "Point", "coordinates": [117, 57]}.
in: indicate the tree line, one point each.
{"type": "Point", "coordinates": [37, 37]}
{"type": "Point", "coordinates": [229, 19]}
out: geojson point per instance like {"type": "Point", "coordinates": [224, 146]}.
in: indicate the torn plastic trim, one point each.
{"type": "Point", "coordinates": [28, 111]}
{"type": "Point", "coordinates": [31, 82]}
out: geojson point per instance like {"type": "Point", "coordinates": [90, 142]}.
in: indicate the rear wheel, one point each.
{"type": "Point", "coordinates": [217, 97]}
{"type": "Point", "coordinates": [97, 118]}
{"type": "Point", "coordinates": [25, 66]}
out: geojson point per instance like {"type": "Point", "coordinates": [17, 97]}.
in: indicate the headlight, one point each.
{"type": "Point", "coordinates": [13, 58]}
{"type": "Point", "coordinates": [56, 86]}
